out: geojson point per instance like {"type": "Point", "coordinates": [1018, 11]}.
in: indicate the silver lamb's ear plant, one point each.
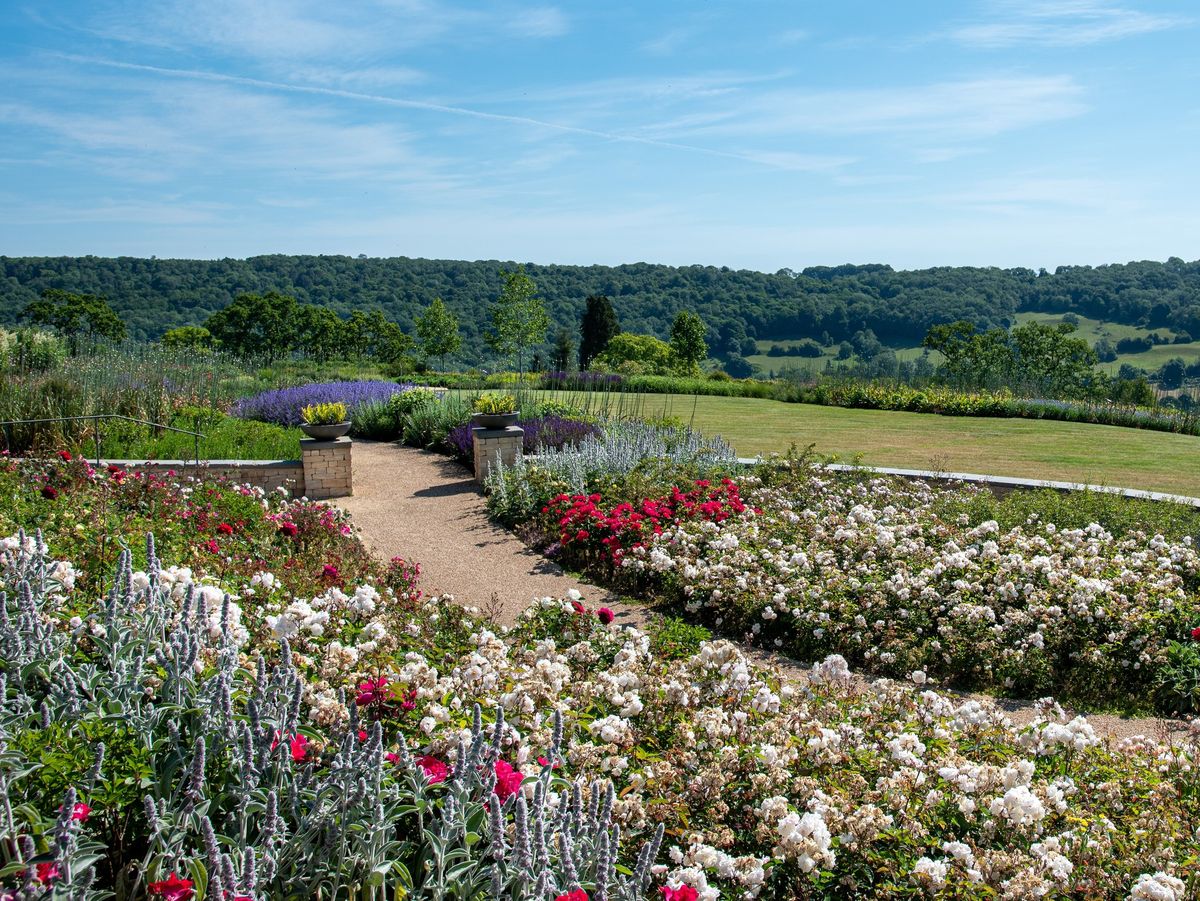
{"type": "Point", "coordinates": [237, 801]}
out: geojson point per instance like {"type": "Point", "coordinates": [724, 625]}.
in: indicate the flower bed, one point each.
{"type": "Point", "coordinates": [955, 402]}
{"type": "Point", "coordinates": [325, 738]}
{"type": "Point", "coordinates": [283, 406]}
{"type": "Point", "coordinates": [887, 575]}
{"type": "Point", "coordinates": [220, 530]}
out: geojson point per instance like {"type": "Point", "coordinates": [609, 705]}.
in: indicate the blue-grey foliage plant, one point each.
{"type": "Point", "coordinates": [223, 803]}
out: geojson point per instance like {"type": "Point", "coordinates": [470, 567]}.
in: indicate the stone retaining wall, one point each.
{"type": "Point", "coordinates": [268, 474]}
{"type": "Point", "coordinates": [324, 470]}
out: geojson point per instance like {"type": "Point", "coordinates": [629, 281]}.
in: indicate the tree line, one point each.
{"type": "Point", "coordinates": [834, 304]}
{"type": "Point", "coordinates": [1035, 358]}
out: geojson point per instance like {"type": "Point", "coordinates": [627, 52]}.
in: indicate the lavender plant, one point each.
{"type": "Point", "coordinates": [284, 406]}
{"type": "Point", "coordinates": [555, 432]}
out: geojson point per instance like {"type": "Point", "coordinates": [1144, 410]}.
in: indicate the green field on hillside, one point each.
{"type": "Point", "coordinates": [1091, 330]}
{"type": "Point", "coordinates": [816, 365]}
{"type": "Point", "coordinates": [1029, 448]}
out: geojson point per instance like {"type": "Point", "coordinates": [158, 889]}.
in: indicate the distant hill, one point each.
{"type": "Point", "coordinates": [833, 302]}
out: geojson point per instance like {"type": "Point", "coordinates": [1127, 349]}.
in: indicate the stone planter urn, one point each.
{"type": "Point", "coordinates": [494, 420]}
{"type": "Point", "coordinates": [326, 432]}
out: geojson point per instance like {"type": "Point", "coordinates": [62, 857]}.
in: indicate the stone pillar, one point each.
{"type": "Point", "coordinates": [326, 468]}
{"type": "Point", "coordinates": [491, 444]}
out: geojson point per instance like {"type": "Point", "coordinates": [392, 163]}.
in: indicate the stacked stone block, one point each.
{"type": "Point", "coordinates": [495, 444]}
{"type": "Point", "coordinates": [326, 468]}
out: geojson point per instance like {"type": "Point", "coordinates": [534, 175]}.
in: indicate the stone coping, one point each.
{"type": "Point", "coordinates": [324, 443]}
{"type": "Point", "coordinates": [1003, 482]}
{"type": "Point", "coordinates": [513, 431]}
{"type": "Point", "coordinates": [192, 464]}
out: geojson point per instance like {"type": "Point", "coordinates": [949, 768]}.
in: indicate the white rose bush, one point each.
{"type": "Point", "coordinates": [902, 583]}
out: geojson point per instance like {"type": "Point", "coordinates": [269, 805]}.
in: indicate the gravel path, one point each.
{"type": "Point", "coordinates": [426, 507]}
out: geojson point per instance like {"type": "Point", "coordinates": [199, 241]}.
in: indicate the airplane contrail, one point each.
{"type": "Point", "coordinates": [202, 75]}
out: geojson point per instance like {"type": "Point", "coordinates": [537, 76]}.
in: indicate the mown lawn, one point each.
{"type": "Point", "coordinates": [1040, 449]}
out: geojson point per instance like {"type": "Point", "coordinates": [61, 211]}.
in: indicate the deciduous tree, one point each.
{"type": "Point", "coordinates": [256, 324]}
{"type": "Point", "coordinates": [192, 337]}
{"type": "Point", "coordinates": [519, 319]}
{"type": "Point", "coordinates": [77, 317]}
{"type": "Point", "coordinates": [437, 329]}
{"type": "Point", "coordinates": [687, 341]}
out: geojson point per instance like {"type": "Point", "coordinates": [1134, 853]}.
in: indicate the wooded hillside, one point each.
{"type": "Point", "coordinates": [153, 295]}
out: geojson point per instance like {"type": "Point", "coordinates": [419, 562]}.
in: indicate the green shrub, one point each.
{"type": "Point", "coordinates": [407, 402]}
{"type": "Point", "coordinates": [376, 420]}
{"type": "Point", "coordinates": [675, 639]}
{"type": "Point", "coordinates": [1179, 678]}
{"type": "Point", "coordinates": [428, 426]}
{"type": "Point", "coordinates": [30, 350]}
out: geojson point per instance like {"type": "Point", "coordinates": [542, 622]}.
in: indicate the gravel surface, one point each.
{"type": "Point", "coordinates": [427, 507]}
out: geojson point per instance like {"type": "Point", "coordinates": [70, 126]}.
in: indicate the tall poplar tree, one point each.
{"type": "Point", "coordinates": [598, 326]}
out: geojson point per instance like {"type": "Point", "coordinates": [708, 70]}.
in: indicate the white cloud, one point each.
{"type": "Point", "coordinates": [203, 129]}
{"type": "Point", "coordinates": [264, 29]}
{"type": "Point", "coordinates": [1022, 195]}
{"type": "Point", "coordinates": [797, 162]}
{"type": "Point", "coordinates": [167, 212]}
{"type": "Point", "coordinates": [949, 110]}
{"type": "Point", "coordinates": [1061, 23]}
{"type": "Point", "coordinates": [669, 41]}
{"type": "Point", "coordinates": [524, 122]}
{"type": "Point", "coordinates": [539, 22]}
{"type": "Point", "coordinates": [793, 36]}
{"type": "Point", "coordinates": [369, 77]}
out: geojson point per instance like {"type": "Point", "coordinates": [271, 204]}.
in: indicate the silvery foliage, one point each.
{"type": "Point", "coordinates": [621, 447]}
{"type": "Point", "coordinates": [226, 805]}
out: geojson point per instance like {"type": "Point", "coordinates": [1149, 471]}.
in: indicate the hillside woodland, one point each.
{"type": "Point", "coordinates": [828, 304]}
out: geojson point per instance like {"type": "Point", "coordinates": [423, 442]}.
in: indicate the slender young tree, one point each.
{"type": "Point", "coordinates": [687, 341]}
{"type": "Point", "coordinates": [598, 326]}
{"type": "Point", "coordinates": [437, 328]}
{"type": "Point", "coordinates": [564, 350]}
{"type": "Point", "coordinates": [519, 319]}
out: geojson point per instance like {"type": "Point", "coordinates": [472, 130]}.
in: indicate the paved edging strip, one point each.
{"type": "Point", "coordinates": [1001, 484]}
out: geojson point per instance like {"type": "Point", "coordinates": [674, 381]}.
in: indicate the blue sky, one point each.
{"type": "Point", "coordinates": [751, 134]}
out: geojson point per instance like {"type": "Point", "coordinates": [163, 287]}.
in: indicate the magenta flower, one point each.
{"type": "Point", "coordinates": [299, 748]}
{"type": "Point", "coordinates": [371, 691]}
{"type": "Point", "coordinates": [435, 770]}
{"type": "Point", "coordinates": [508, 780]}
{"type": "Point", "coordinates": [173, 889]}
